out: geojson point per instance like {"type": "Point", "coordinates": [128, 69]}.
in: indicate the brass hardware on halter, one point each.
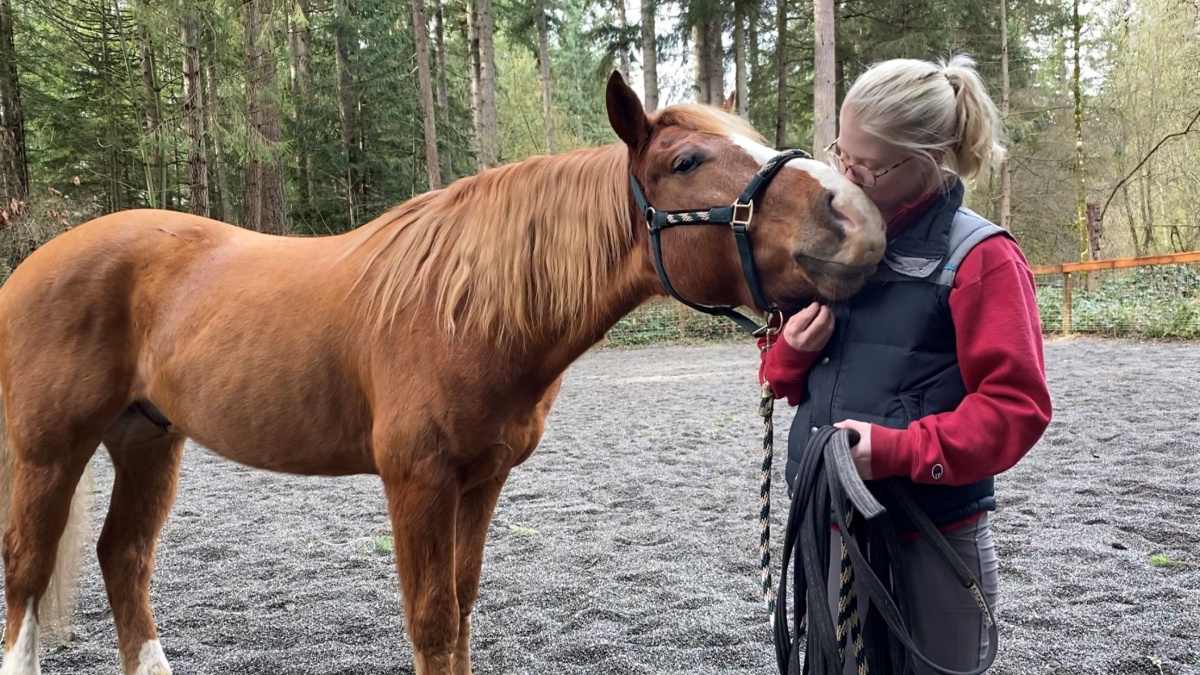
{"type": "Point", "coordinates": [738, 209]}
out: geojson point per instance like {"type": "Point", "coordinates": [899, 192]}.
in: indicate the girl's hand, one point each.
{"type": "Point", "coordinates": [861, 453]}
{"type": "Point", "coordinates": [809, 329]}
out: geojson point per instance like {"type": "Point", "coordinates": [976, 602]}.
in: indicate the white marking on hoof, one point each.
{"type": "Point", "coordinates": [151, 660]}
{"type": "Point", "coordinates": [23, 658]}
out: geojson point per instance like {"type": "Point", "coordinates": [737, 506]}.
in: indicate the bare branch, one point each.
{"type": "Point", "coordinates": [1145, 159]}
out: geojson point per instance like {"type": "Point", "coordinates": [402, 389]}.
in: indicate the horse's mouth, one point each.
{"type": "Point", "coordinates": [834, 281]}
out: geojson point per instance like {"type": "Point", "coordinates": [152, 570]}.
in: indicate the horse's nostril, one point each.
{"type": "Point", "coordinates": [838, 220]}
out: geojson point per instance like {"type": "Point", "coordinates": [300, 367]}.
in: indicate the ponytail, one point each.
{"type": "Point", "coordinates": [977, 125]}
{"type": "Point", "coordinates": [938, 112]}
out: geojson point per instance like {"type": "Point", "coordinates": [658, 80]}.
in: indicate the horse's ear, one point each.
{"type": "Point", "coordinates": [625, 112]}
{"type": "Point", "coordinates": [728, 105]}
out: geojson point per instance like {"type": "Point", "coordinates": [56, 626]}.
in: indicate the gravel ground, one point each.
{"type": "Point", "coordinates": [627, 543]}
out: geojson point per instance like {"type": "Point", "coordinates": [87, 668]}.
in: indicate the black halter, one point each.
{"type": "Point", "coordinates": [738, 215]}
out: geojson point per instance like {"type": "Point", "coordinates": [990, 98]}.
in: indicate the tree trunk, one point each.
{"type": "Point", "coordinates": [781, 44]}
{"type": "Point", "coordinates": [1133, 230]}
{"type": "Point", "coordinates": [420, 32]}
{"type": "Point", "coordinates": [344, 38]}
{"type": "Point", "coordinates": [487, 85]}
{"type": "Point", "coordinates": [1093, 225]}
{"type": "Point", "coordinates": [544, 68]}
{"type": "Point", "coordinates": [301, 37]}
{"type": "Point", "coordinates": [1081, 206]}
{"type": "Point", "coordinates": [824, 75]}
{"type": "Point", "coordinates": [217, 136]}
{"type": "Point", "coordinates": [1005, 167]}
{"type": "Point", "coordinates": [14, 162]}
{"type": "Point", "coordinates": [701, 52]}
{"type": "Point", "coordinates": [264, 205]}
{"type": "Point", "coordinates": [752, 46]}
{"type": "Point", "coordinates": [114, 191]}
{"type": "Point", "coordinates": [1095, 229]}
{"type": "Point", "coordinates": [156, 170]}
{"type": "Point", "coordinates": [193, 112]}
{"type": "Point", "coordinates": [649, 55]}
{"type": "Point", "coordinates": [476, 88]}
{"type": "Point", "coordinates": [741, 76]}
{"type": "Point", "coordinates": [622, 46]}
{"type": "Point", "coordinates": [716, 63]}
{"type": "Point", "coordinates": [439, 49]}
{"type": "Point", "coordinates": [274, 205]}
{"type": "Point", "coordinates": [252, 202]}
{"type": "Point", "coordinates": [839, 65]}
{"type": "Point", "coordinates": [1144, 182]}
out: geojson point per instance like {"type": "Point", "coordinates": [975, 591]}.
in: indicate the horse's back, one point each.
{"type": "Point", "coordinates": [115, 245]}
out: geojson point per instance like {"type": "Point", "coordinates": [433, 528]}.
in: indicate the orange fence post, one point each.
{"type": "Point", "coordinates": [1066, 309]}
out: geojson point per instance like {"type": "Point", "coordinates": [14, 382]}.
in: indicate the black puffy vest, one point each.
{"type": "Point", "coordinates": [892, 358]}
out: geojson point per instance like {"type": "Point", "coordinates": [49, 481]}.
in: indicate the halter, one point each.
{"type": "Point", "coordinates": [738, 216]}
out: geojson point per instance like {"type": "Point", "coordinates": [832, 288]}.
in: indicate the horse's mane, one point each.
{"type": "Point", "coordinates": [518, 248]}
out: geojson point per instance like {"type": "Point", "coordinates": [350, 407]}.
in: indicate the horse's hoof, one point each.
{"type": "Point", "coordinates": [151, 660]}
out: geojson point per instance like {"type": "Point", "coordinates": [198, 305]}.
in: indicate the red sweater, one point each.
{"type": "Point", "coordinates": [999, 342]}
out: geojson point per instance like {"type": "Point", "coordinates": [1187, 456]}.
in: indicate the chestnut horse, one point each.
{"type": "Point", "coordinates": [425, 347]}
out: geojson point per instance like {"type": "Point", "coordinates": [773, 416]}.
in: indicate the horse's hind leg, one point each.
{"type": "Point", "coordinates": [43, 484]}
{"type": "Point", "coordinates": [146, 462]}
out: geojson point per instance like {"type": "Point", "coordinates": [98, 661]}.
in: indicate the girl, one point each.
{"type": "Point", "coordinates": [937, 363]}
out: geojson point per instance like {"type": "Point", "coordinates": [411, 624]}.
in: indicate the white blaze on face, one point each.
{"type": "Point", "coordinates": [152, 660]}
{"type": "Point", "coordinates": [23, 658]}
{"type": "Point", "coordinates": [848, 198]}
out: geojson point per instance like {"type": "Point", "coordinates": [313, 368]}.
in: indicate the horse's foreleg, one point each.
{"type": "Point", "coordinates": [41, 505]}
{"type": "Point", "coordinates": [147, 470]}
{"type": "Point", "coordinates": [474, 517]}
{"type": "Point", "coordinates": [422, 502]}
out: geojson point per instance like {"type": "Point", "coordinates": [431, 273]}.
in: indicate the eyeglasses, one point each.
{"type": "Point", "coordinates": [863, 176]}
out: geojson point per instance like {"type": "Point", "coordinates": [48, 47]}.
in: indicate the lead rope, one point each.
{"type": "Point", "coordinates": [848, 619]}
{"type": "Point", "coordinates": [848, 623]}
{"type": "Point", "coordinates": [766, 408]}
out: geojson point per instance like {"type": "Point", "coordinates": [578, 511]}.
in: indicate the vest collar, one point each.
{"type": "Point", "coordinates": [920, 248]}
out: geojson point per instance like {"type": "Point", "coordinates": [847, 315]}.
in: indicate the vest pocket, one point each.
{"type": "Point", "coordinates": [914, 405]}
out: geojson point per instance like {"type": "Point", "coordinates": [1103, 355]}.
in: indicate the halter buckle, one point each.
{"type": "Point", "coordinates": [740, 210]}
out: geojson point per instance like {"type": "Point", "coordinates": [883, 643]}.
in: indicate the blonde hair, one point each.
{"type": "Point", "coordinates": [924, 108]}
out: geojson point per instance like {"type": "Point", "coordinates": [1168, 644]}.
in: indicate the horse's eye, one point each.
{"type": "Point", "coordinates": [685, 163]}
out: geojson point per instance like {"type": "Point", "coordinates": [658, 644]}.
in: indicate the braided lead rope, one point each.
{"type": "Point", "coordinates": [848, 620]}
{"type": "Point", "coordinates": [766, 408]}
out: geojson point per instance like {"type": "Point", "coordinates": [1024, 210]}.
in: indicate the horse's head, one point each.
{"type": "Point", "coordinates": [813, 233]}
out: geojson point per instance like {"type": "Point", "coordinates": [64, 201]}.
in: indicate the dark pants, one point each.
{"type": "Point", "coordinates": [946, 622]}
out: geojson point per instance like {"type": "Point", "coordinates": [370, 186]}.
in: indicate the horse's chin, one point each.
{"type": "Point", "coordinates": [832, 281]}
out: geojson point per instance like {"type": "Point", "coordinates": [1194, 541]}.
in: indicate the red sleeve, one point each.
{"type": "Point", "coordinates": [786, 369]}
{"type": "Point", "coordinates": [1007, 407]}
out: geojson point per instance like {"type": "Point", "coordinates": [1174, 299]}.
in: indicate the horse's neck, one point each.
{"type": "Point", "coordinates": [584, 199]}
{"type": "Point", "coordinates": [540, 257]}
{"type": "Point", "coordinates": [628, 289]}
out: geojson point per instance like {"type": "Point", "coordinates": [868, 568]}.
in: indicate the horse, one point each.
{"type": "Point", "coordinates": [426, 347]}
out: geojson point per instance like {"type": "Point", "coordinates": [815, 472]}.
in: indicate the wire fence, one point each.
{"type": "Point", "coordinates": [666, 321]}
{"type": "Point", "coordinates": [1152, 301]}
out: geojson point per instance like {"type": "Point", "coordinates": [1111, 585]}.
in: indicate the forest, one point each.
{"type": "Point", "coordinates": [311, 117]}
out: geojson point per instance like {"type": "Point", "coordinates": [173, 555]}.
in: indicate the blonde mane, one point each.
{"type": "Point", "coordinates": [516, 248]}
{"type": "Point", "coordinates": [706, 119]}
